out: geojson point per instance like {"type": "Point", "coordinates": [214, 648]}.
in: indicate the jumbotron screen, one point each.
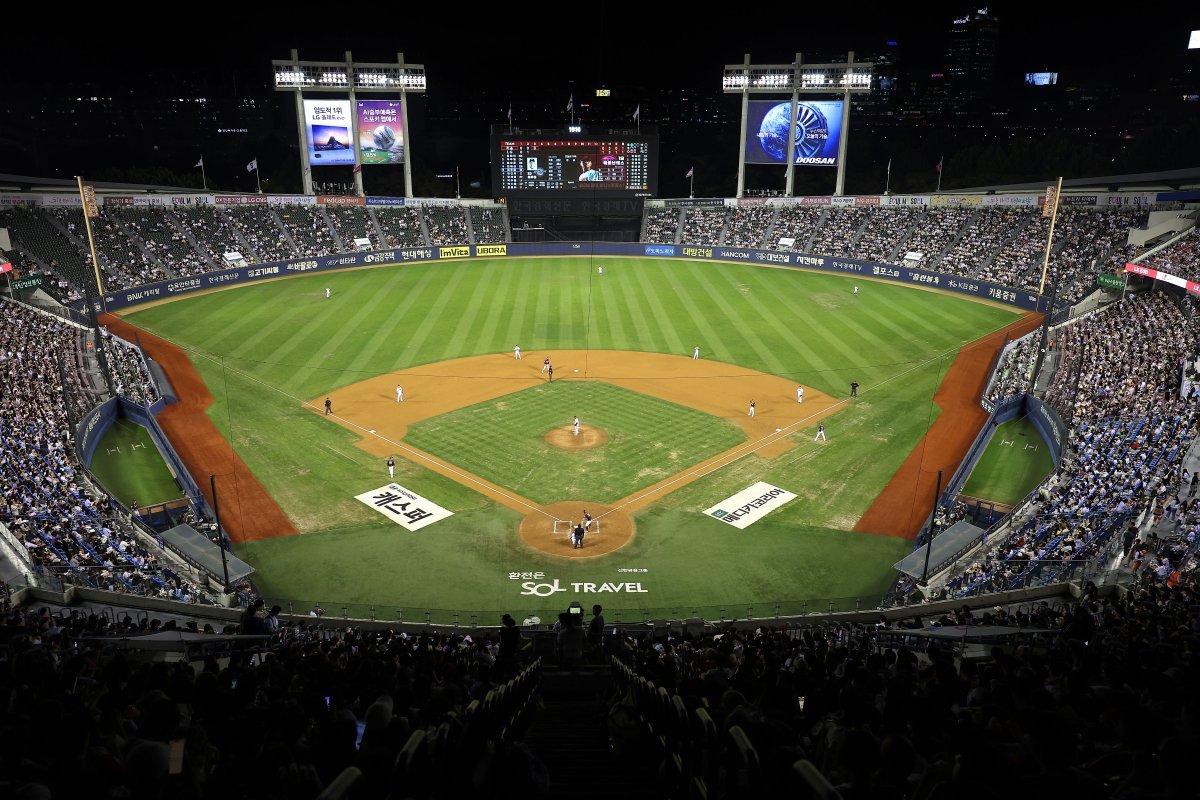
{"type": "Point", "coordinates": [625, 166]}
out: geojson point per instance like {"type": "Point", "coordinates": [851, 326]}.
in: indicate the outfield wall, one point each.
{"type": "Point", "coordinates": [117, 300]}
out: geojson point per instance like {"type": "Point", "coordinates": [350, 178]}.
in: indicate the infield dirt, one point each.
{"type": "Point", "coordinates": [722, 390]}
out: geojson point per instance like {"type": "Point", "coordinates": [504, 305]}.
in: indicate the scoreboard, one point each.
{"type": "Point", "coordinates": [599, 165]}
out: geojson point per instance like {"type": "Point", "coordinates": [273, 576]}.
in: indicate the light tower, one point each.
{"type": "Point", "coordinates": [348, 77]}
{"type": "Point", "coordinates": [799, 79]}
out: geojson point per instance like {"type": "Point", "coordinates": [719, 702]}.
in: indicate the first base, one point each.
{"type": "Point", "coordinates": [577, 370]}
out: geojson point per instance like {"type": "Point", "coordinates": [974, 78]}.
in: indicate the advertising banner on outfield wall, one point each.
{"type": "Point", "coordinates": [340, 200]}
{"type": "Point", "coordinates": [962, 200]}
{"type": "Point", "coordinates": [385, 201]}
{"type": "Point", "coordinates": [900, 274]}
{"type": "Point", "coordinates": [1012, 200]}
{"type": "Point", "coordinates": [905, 200]}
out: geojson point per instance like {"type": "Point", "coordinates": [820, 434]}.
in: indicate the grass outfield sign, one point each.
{"type": "Point", "coordinates": [750, 505]}
{"type": "Point", "coordinates": [403, 507]}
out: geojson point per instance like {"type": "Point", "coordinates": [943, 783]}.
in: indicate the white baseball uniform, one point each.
{"type": "Point", "coordinates": [696, 353]}
{"type": "Point", "coordinates": [752, 408]}
{"type": "Point", "coordinates": [577, 426]}
{"type": "Point", "coordinates": [799, 394]}
{"type": "Point", "coordinates": [600, 270]}
{"type": "Point", "coordinates": [820, 433]}
{"type": "Point", "coordinates": [391, 467]}
{"type": "Point", "coordinates": [856, 290]}
{"type": "Point", "coordinates": [399, 394]}
{"type": "Point", "coordinates": [517, 352]}
{"type": "Point", "coordinates": [326, 292]}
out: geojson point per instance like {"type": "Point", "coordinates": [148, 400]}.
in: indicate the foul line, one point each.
{"type": "Point", "coordinates": [772, 438]}
{"type": "Point", "coordinates": [413, 455]}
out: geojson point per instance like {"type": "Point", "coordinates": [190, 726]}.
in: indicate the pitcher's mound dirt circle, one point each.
{"type": "Point", "coordinates": [615, 529]}
{"type": "Point", "coordinates": [566, 439]}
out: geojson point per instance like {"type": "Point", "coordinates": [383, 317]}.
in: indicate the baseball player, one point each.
{"type": "Point", "coordinates": [577, 535]}
{"type": "Point", "coordinates": [328, 406]}
{"type": "Point", "coordinates": [820, 432]}
{"type": "Point", "coordinates": [550, 370]}
{"type": "Point", "coordinates": [545, 363]}
{"type": "Point", "coordinates": [517, 352]}
{"type": "Point", "coordinates": [391, 467]}
{"type": "Point", "coordinates": [586, 521]}
{"type": "Point", "coordinates": [752, 408]}
{"type": "Point", "coordinates": [854, 388]}
{"type": "Point", "coordinates": [600, 271]}
{"type": "Point", "coordinates": [696, 353]}
{"type": "Point", "coordinates": [399, 393]}
{"type": "Point", "coordinates": [799, 394]}
{"type": "Point", "coordinates": [856, 290]}
{"type": "Point", "coordinates": [577, 426]}
{"type": "Point", "coordinates": [326, 292]}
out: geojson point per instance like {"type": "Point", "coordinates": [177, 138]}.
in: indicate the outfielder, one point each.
{"type": "Point", "coordinates": [326, 292]}
{"type": "Point", "coordinates": [820, 432]}
{"type": "Point", "coordinates": [399, 393]}
{"type": "Point", "coordinates": [517, 352]}
{"type": "Point", "coordinates": [856, 290]}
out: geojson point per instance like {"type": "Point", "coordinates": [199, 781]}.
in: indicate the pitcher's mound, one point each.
{"type": "Point", "coordinates": [610, 532]}
{"type": "Point", "coordinates": [565, 437]}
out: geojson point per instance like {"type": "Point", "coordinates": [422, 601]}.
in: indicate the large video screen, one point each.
{"type": "Point", "coordinates": [1041, 78]}
{"type": "Point", "coordinates": [328, 125]}
{"type": "Point", "coordinates": [380, 132]}
{"type": "Point", "coordinates": [613, 166]}
{"type": "Point", "coordinates": [818, 130]}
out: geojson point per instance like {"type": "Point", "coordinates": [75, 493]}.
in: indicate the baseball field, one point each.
{"type": "Point", "coordinates": [490, 440]}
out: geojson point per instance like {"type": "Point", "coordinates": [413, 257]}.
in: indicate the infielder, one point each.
{"type": "Point", "coordinates": [399, 393]}
{"type": "Point", "coordinates": [820, 432]}
{"type": "Point", "coordinates": [752, 408]}
{"type": "Point", "coordinates": [577, 426]}
{"type": "Point", "coordinates": [517, 352]}
{"type": "Point", "coordinates": [799, 394]}
{"type": "Point", "coordinates": [545, 363]}
{"type": "Point", "coordinates": [391, 467]}
{"type": "Point", "coordinates": [696, 353]}
{"type": "Point", "coordinates": [326, 292]}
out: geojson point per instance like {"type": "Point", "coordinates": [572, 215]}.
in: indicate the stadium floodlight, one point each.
{"type": "Point", "coordinates": [347, 76]}
{"type": "Point", "coordinates": [797, 78]}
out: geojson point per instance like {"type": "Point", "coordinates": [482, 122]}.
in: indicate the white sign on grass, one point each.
{"type": "Point", "coordinates": [750, 505]}
{"type": "Point", "coordinates": [403, 507]}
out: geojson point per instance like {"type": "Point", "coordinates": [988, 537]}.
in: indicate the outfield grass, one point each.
{"type": "Point", "coordinates": [128, 464]}
{"type": "Point", "coordinates": [502, 440]}
{"type": "Point", "coordinates": [263, 348]}
{"type": "Point", "coordinates": [1015, 461]}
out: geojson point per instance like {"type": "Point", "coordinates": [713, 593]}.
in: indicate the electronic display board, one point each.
{"type": "Point", "coordinates": [613, 166]}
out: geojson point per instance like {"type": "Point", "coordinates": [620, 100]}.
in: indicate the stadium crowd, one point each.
{"type": "Point", "coordinates": [661, 225]}
{"type": "Point", "coordinates": [703, 226]}
{"type": "Point", "coordinates": [65, 526]}
{"type": "Point", "coordinates": [1014, 373]}
{"type": "Point", "coordinates": [129, 370]}
{"type": "Point", "coordinates": [1181, 258]}
{"type": "Point", "coordinates": [401, 226]}
{"type": "Point", "coordinates": [1117, 386]}
{"type": "Point", "coordinates": [447, 225]}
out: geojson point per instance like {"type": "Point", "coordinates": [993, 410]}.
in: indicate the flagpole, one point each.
{"type": "Point", "coordinates": [941, 166]}
{"type": "Point", "coordinates": [257, 175]}
{"type": "Point", "coordinates": [692, 184]}
{"type": "Point", "coordinates": [888, 185]}
{"type": "Point", "coordinates": [203, 177]}
{"type": "Point", "coordinates": [1050, 241]}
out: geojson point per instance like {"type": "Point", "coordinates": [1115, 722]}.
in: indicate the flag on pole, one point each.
{"type": "Point", "coordinates": [690, 172]}
{"type": "Point", "coordinates": [571, 103]}
{"type": "Point", "coordinates": [199, 164]}
{"type": "Point", "coordinates": [637, 113]}
{"type": "Point", "coordinates": [939, 164]}
{"type": "Point", "coordinates": [889, 171]}
{"type": "Point", "coordinates": [510, 113]}
{"type": "Point", "coordinates": [252, 166]}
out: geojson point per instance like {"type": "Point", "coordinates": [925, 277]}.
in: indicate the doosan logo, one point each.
{"type": "Point", "coordinates": [535, 589]}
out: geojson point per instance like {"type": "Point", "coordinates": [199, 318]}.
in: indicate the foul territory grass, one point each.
{"type": "Point", "coordinates": [128, 464]}
{"type": "Point", "coordinates": [1015, 461]}
{"type": "Point", "coordinates": [263, 348]}
{"type": "Point", "coordinates": [503, 440]}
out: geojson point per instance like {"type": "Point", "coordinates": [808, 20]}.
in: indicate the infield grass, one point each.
{"type": "Point", "coordinates": [263, 348]}
{"type": "Point", "coordinates": [1015, 461]}
{"type": "Point", "coordinates": [503, 440]}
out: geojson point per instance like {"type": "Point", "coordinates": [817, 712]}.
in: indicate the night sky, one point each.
{"type": "Point", "coordinates": [549, 44]}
